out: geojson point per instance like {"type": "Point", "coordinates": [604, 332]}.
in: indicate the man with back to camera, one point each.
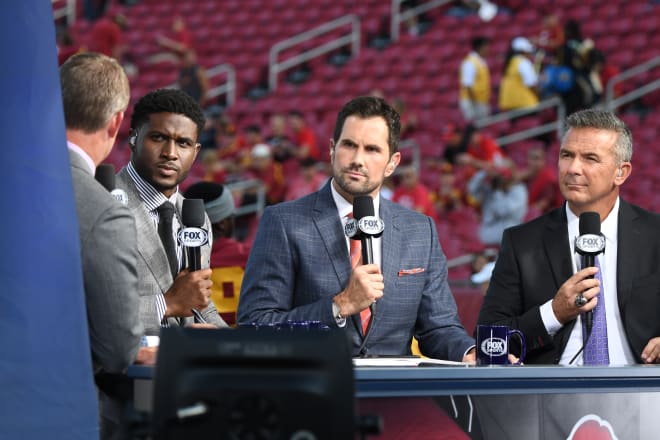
{"type": "Point", "coordinates": [93, 112]}
{"type": "Point", "coordinates": [538, 274]}
{"type": "Point", "coordinates": [300, 268]}
{"type": "Point", "coordinates": [165, 126]}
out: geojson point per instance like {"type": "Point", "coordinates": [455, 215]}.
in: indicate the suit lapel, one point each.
{"type": "Point", "coordinates": [326, 219]}
{"type": "Point", "coordinates": [329, 228]}
{"type": "Point", "coordinates": [149, 245]}
{"type": "Point", "coordinates": [555, 239]}
{"type": "Point", "coordinates": [628, 246]}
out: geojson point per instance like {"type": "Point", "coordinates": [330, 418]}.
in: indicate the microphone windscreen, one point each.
{"type": "Point", "coordinates": [363, 206]}
{"type": "Point", "coordinates": [105, 175]}
{"type": "Point", "coordinates": [589, 223]}
{"type": "Point", "coordinates": [192, 213]}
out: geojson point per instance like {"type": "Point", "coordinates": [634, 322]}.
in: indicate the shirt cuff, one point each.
{"type": "Point", "coordinates": [161, 307]}
{"type": "Point", "coordinates": [336, 313]}
{"type": "Point", "coordinates": [550, 322]}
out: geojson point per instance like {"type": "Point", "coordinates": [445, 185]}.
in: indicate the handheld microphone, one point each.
{"type": "Point", "coordinates": [191, 236]}
{"type": "Point", "coordinates": [589, 244]}
{"type": "Point", "coordinates": [105, 175]}
{"type": "Point", "coordinates": [363, 227]}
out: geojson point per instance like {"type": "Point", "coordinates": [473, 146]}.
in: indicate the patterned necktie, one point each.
{"type": "Point", "coordinates": [166, 216]}
{"type": "Point", "coordinates": [596, 351]}
{"type": "Point", "coordinates": [356, 253]}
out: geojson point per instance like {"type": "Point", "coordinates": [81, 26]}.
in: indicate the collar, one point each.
{"type": "Point", "coordinates": [344, 207]}
{"type": "Point", "coordinates": [80, 152]}
{"type": "Point", "coordinates": [608, 227]}
{"type": "Point", "coordinates": [151, 197]}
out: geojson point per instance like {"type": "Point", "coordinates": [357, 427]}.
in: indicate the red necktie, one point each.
{"type": "Point", "coordinates": [356, 253]}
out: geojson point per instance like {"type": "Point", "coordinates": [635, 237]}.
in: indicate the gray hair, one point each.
{"type": "Point", "coordinates": [94, 89]}
{"type": "Point", "coordinates": [604, 120]}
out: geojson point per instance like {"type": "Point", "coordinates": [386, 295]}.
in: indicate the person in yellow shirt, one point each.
{"type": "Point", "coordinates": [474, 81]}
{"type": "Point", "coordinates": [520, 79]}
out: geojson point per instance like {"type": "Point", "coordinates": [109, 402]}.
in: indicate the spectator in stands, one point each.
{"type": "Point", "coordinates": [192, 77]}
{"type": "Point", "coordinates": [541, 180]}
{"type": "Point", "coordinates": [551, 37]}
{"type": "Point", "coordinates": [278, 139]}
{"type": "Point", "coordinates": [474, 82]}
{"type": "Point", "coordinates": [263, 167]}
{"type": "Point", "coordinates": [408, 119]}
{"type": "Point", "coordinates": [304, 139]}
{"type": "Point", "coordinates": [455, 144]}
{"type": "Point", "coordinates": [214, 170]}
{"type": "Point", "coordinates": [502, 199]}
{"type": "Point", "coordinates": [106, 36]}
{"type": "Point", "coordinates": [310, 178]}
{"type": "Point", "coordinates": [228, 255]}
{"type": "Point", "coordinates": [600, 73]}
{"type": "Point", "coordinates": [573, 55]}
{"type": "Point", "coordinates": [412, 193]}
{"type": "Point", "coordinates": [519, 78]}
{"type": "Point", "coordinates": [448, 197]}
{"type": "Point", "coordinates": [176, 42]}
{"type": "Point", "coordinates": [482, 150]}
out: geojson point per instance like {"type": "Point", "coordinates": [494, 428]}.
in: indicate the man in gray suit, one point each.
{"type": "Point", "coordinates": [94, 111]}
{"type": "Point", "coordinates": [165, 126]}
{"type": "Point", "coordinates": [299, 267]}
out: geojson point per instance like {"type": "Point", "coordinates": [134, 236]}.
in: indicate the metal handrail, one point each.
{"type": "Point", "coordinates": [252, 184]}
{"type": "Point", "coordinates": [275, 67]}
{"type": "Point", "coordinates": [229, 87]}
{"type": "Point", "coordinates": [397, 17]}
{"type": "Point", "coordinates": [553, 102]}
{"type": "Point", "coordinates": [612, 103]}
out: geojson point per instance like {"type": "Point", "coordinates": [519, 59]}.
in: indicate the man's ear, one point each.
{"type": "Point", "coordinates": [393, 163]}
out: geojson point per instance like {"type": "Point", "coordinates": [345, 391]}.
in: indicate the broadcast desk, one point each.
{"type": "Point", "coordinates": [446, 380]}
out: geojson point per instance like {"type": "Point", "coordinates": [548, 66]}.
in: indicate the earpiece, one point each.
{"type": "Point", "coordinates": [131, 140]}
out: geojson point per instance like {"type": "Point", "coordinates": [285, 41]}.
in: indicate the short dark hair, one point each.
{"type": "Point", "coordinates": [167, 101]}
{"type": "Point", "coordinates": [479, 42]}
{"type": "Point", "coordinates": [368, 107]}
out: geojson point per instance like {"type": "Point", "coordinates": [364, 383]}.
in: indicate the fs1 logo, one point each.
{"type": "Point", "coordinates": [590, 244]}
{"type": "Point", "coordinates": [371, 225]}
{"type": "Point", "coordinates": [193, 237]}
{"type": "Point", "coordinates": [494, 346]}
{"type": "Point", "coordinates": [351, 228]}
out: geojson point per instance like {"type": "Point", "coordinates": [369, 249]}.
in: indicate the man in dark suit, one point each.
{"type": "Point", "coordinates": [299, 266]}
{"type": "Point", "coordinates": [538, 275]}
{"type": "Point", "coordinates": [94, 111]}
{"type": "Point", "coordinates": [165, 126]}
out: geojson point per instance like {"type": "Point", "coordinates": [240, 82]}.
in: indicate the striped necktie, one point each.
{"type": "Point", "coordinates": [596, 351]}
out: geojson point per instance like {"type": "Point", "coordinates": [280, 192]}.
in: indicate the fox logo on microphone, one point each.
{"type": "Point", "coordinates": [590, 243]}
{"type": "Point", "coordinates": [193, 237]}
{"type": "Point", "coordinates": [494, 346]}
{"type": "Point", "coordinates": [371, 225]}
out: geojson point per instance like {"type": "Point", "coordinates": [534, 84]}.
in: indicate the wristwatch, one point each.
{"type": "Point", "coordinates": [336, 312]}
